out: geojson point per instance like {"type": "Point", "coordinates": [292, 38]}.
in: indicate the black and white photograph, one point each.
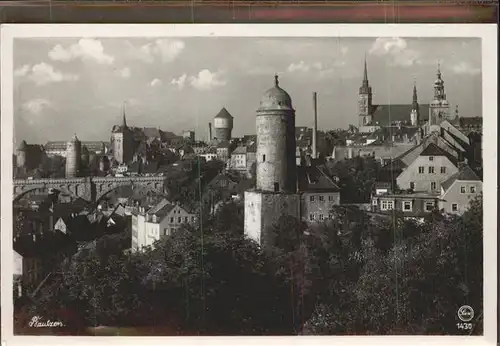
{"type": "Point", "coordinates": [248, 183]}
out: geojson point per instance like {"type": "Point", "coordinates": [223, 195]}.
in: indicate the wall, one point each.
{"type": "Point", "coordinates": [423, 181]}
{"type": "Point", "coordinates": [276, 152]}
{"type": "Point", "coordinates": [252, 223]}
{"type": "Point", "coordinates": [454, 195]}
{"type": "Point", "coordinates": [318, 207]}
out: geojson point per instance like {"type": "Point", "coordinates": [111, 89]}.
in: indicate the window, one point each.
{"type": "Point", "coordinates": [171, 220]}
{"type": "Point", "coordinates": [421, 169]}
{"type": "Point", "coordinates": [186, 219]}
{"type": "Point", "coordinates": [263, 158]}
{"type": "Point", "coordinates": [374, 201]}
{"type": "Point", "coordinates": [431, 169]}
{"type": "Point", "coordinates": [179, 219]}
{"type": "Point", "coordinates": [443, 170]}
{"type": "Point", "coordinates": [431, 158]}
{"type": "Point", "coordinates": [472, 189]}
{"type": "Point", "coordinates": [387, 205]}
{"type": "Point", "coordinates": [321, 198]}
{"type": "Point", "coordinates": [276, 187]}
{"type": "Point", "coordinates": [462, 189]}
{"type": "Point", "coordinates": [330, 216]}
{"type": "Point", "coordinates": [330, 198]}
{"type": "Point", "coordinates": [311, 198]}
{"type": "Point", "coordinates": [407, 206]}
{"type": "Point", "coordinates": [165, 231]}
{"type": "Point", "coordinates": [412, 185]}
{"type": "Point", "coordinates": [311, 217]}
{"type": "Point", "coordinates": [454, 207]}
{"type": "Point", "coordinates": [429, 206]}
{"type": "Point", "coordinates": [321, 217]}
{"type": "Point", "coordinates": [433, 185]}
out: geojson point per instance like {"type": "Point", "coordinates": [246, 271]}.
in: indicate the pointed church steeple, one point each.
{"type": "Point", "coordinates": [124, 124]}
{"type": "Point", "coordinates": [365, 85]}
{"type": "Point", "coordinates": [365, 99]}
{"type": "Point", "coordinates": [415, 97]}
{"type": "Point", "coordinates": [365, 74]}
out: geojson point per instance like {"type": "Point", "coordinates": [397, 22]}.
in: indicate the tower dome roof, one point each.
{"type": "Point", "coordinates": [224, 114]}
{"type": "Point", "coordinates": [276, 98]}
{"type": "Point", "coordinates": [23, 145]}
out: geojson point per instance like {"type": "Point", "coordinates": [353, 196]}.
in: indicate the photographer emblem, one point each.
{"type": "Point", "coordinates": [465, 313]}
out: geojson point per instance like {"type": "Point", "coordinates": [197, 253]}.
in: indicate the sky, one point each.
{"type": "Point", "coordinates": [80, 86]}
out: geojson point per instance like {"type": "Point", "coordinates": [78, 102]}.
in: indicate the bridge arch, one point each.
{"type": "Point", "coordinates": [106, 189]}
{"type": "Point", "coordinates": [21, 192]}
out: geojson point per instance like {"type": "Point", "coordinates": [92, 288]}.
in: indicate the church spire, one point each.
{"type": "Point", "coordinates": [124, 124]}
{"type": "Point", "coordinates": [365, 75]}
{"type": "Point", "coordinates": [415, 97]}
{"type": "Point", "coordinates": [365, 85]}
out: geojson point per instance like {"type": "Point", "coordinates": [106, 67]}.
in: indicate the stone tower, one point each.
{"type": "Point", "coordinates": [275, 193]}
{"type": "Point", "coordinates": [276, 164]}
{"type": "Point", "coordinates": [365, 100]}
{"type": "Point", "coordinates": [122, 142]}
{"type": "Point", "coordinates": [415, 112]}
{"type": "Point", "coordinates": [21, 153]}
{"type": "Point", "coordinates": [223, 124]}
{"type": "Point", "coordinates": [73, 157]}
{"type": "Point", "coordinates": [439, 107]}
{"type": "Point", "coordinates": [85, 160]}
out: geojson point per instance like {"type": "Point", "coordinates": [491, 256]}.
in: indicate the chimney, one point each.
{"type": "Point", "coordinates": [209, 132]}
{"type": "Point", "coordinates": [315, 126]}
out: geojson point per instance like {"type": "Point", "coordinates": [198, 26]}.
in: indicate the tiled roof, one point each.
{"type": "Point", "coordinates": [224, 114]}
{"type": "Point", "coordinates": [151, 132]}
{"type": "Point", "coordinates": [240, 150]}
{"type": "Point", "coordinates": [164, 202]}
{"type": "Point", "coordinates": [433, 150]}
{"type": "Point", "coordinates": [385, 115]}
{"type": "Point", "coordinates": [313, 178]}
{"type": "Point", "coordinates": [466, 173]}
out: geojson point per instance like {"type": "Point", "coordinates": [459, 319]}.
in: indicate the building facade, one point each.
{"type": "Point", "coordinates": [459, 190]}
{"type": "Point", "coordinates": [122, 143]}
{"type": "Point", "coordinates": [223, 124]}
{"type": "Point", "coordinates": [426, 173]}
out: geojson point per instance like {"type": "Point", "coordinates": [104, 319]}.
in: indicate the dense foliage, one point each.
{"type": "Point", "coordinates": [354, 275]}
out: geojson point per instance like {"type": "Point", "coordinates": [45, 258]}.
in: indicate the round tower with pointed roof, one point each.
{"type": "Point", "coordinates": [276, 166]}
{"type": "Point", "coordinates": [73, 157]}
{"type": "Point", "coordinates": [21, 154]}
{"type": "Point", "coordinates": [223, 124]}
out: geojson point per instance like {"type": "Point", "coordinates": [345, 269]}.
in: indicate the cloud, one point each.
{"type": "Point", "coordinates": [321, 69]}
{"type": "Point", "coordinates": [179, 82]}
{"type": "Point", "coordinates": [166, 49]}
{"type": "Point", "coordinates": [86, 49]}
{"type": "Point", "coordinates": [206, 80]}
{"type": "Point", "coordinates": [36, 106]}
{"type": "Point", "coordinates": [299, 67]}
{"type": "Point", "coordinates": [22, 71]}
{"type": "Point", "coordinates": [465, 68]}
{"type": "Point", "coordinates": [156, 82]}
{"type": "Point", "coordinates": [397, 49]}
{"type": "Point", "coordinates": [124, 73]}
{"type": "Point", "coordinates": [43, 73]}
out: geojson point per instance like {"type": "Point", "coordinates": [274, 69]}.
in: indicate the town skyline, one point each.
{"type": "Point", "coordinates": [158, 79]}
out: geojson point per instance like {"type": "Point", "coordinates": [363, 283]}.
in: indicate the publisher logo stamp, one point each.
{"type": "Point", "coordinates": [465, 313]}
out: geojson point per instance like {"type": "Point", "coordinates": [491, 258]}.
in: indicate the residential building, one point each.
{"type": "Point", "coordinates": [411, 205]}
{"type": "Point", "coordinates": [458, 191]}
{"type": "Point", "coordinates": [148, 226]}
{"type": "Point", "coordinates": [426, 173]}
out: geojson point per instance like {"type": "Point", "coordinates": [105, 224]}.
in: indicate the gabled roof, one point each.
{"type": "Point", "coordinates": [313, 178]}
{"type": "Point", "coordinates": [151, 132]}
{"type": "Point", "coordinates": [224, 114]}
{"type": "Point", "coordinates": [385, 115]}
{"type": "Point", "coordinates": [240, 150]}
{"type": "Point", "coordinates": [465, 174]}
{"type": "Point", "coordinates": [433, 150]}
{"type": "Point", "coordinates": [164, 202]}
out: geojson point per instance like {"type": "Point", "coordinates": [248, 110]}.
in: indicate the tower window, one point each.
{"type": "Point", "coordinates": [276, 187]}
{"type": "Point", "coordinates": [263, 158]}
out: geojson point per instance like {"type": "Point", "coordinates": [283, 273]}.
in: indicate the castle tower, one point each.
{"type": "Point", "coordinates": [439, 107]}
{"type": "Point", "coordinates": [276, 164]}
{"type": "Point", "coordinates": [73, 157]}
{"type": "Point", "coordinates": [275, 194]}
{"type": "Point", "coordinates": [223, 124]}
{"type": "Point", "coordinates": [85, 160]}
{"type": "Point", "coordinates": [365, 100]}
{"type": "Point", "coordinates": [122, 142]}
{"type": "Point", "coordinates": [415, 112]}
{"type": "Point", "coordinates": [21, 153]}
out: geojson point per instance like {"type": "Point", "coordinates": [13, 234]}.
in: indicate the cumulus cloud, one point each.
{"type": "Point", "coordinates": [397, 49]}
{"type": "Point", "coordinates": [465, 68]}
{"type": "Point", "coordinates": [43, 73]}
{"type": "Point", "coordinates": [299, 67]}
{"type": "Point", "coordinates": [166, 49]}
{"type": "Point", "coordinates": [36, 106]}
{"type": "Point", "coordinates": [86, 49]}
{"type": "Point", "coordinates": [22, 71]}
{"type": "Point", "coordinates": [179, 82]}
{"type": "Point", "coordinates": [322, 69]}
{"type": "Point", "coordinates": [206, 80]}
{"type": "Point", "coordinates": [124, 73]}
{"type": "Point", "coordinates": [156, 82]}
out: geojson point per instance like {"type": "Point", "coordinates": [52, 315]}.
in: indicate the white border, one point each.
{"type": "Point", "coordinates": [488, 33]}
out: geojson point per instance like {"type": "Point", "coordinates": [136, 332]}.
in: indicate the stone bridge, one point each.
{"type": "Point", "coordinates": [91, 189]}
